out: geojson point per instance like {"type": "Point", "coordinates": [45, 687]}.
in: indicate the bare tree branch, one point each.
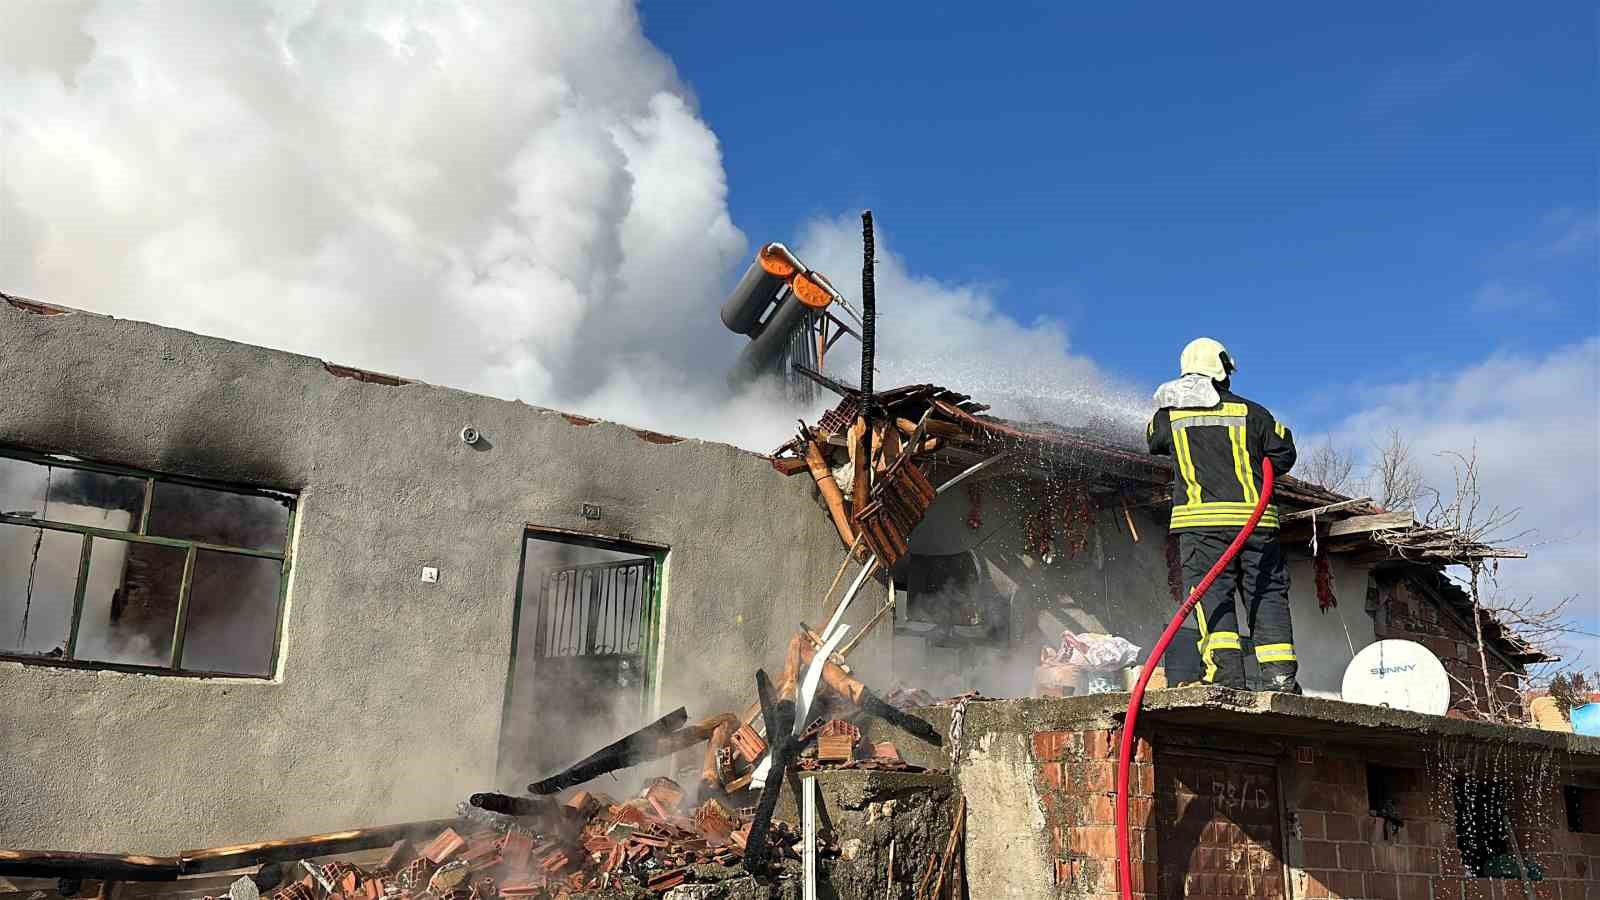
{"type": "Point", "coordinates": [1327, 466]}
{"type": "Point", "coordinates": [1394, 479]}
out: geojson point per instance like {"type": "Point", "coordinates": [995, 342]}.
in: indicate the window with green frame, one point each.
{"type": "Point", "coordinates": [107, 567]}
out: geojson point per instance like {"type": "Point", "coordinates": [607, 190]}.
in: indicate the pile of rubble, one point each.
{"type": "Point", "coordinates": [649, 842]}
{"type": "Point", "coordinates": [588, 841]}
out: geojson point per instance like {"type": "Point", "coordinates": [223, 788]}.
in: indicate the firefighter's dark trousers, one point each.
{"type": "Point", "coordinates": [1261, 576]}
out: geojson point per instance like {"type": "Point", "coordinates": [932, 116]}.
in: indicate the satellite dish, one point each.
{"type": "Point", "coordinates": [1399, 675]}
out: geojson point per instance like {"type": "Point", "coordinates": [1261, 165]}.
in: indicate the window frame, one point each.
{"type": "Point", "coordinates": [191, 548]}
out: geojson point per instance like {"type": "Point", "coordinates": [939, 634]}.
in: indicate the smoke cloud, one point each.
{"type": "Point", "coordinates": [514, 199]}
{"type": "Point", "coordinates": [956, 336]}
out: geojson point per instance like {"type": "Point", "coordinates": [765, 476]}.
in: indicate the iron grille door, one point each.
{"type": "Point", "coordinates": [599, 609]}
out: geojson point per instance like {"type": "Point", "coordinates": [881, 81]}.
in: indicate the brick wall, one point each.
{"type": "Point", "coordinates": [1405, 612]}
{"type": "Point", "coordinates": [1570, 859]}
{"type": "Point", "coordinates": [1340, 851]}
{"type": "Point", "coordinates": [1077, 773]}
{"type": "Point", "coordinates": [1333, 846]}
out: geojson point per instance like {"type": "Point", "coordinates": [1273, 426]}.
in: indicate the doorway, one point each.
{"type": "Point", "coordinates": [583, 658]}
{"type": "Point", "coordinates": [1218, 821]}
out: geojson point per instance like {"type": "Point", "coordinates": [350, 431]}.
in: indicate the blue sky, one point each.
{"type": "Point", "coordinates": [1368, 192]}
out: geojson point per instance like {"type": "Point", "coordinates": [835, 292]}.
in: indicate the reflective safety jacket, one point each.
{"type": "Point", "coordinates": [1217, 453]}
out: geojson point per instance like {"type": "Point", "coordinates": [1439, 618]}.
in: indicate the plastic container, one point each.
{"type": "Point", "coordinates": [1586, 719]}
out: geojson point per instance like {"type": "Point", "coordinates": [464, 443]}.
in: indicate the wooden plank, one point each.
{"type": "Point", "coordinates": [1489, 553]}
{"type": "Point", "coordinates": [1298, 515]}
{"type": "Point", "coordinates": [68, 864]}
{"type": "Point", "coordinates": [860, 461]}
{"type": "Point", "coordinates": [240, 856]}
{"type": "Point", "coordinates": [1392, 521]}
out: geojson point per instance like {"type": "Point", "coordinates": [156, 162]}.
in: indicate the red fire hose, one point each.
{"type": "Point", "coordinates": [1125, 754]}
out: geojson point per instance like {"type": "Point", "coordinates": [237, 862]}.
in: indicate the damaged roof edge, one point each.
{"type": "Point", "coordinates": [39, 309]}
{"type": "Point", "coordinates": [650, 436]}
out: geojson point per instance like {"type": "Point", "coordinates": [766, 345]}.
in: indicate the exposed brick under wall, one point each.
{"type": "Point", "coordinates": [1077, 773]}
{"type": "Point", "coordinates": [1345, 852]}
{"type": "Point", "coordinates": [1333, 846]}
{"type": "Point", "coordinates": [1404, 612]}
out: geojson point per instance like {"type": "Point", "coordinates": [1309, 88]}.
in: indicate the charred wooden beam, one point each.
{"type": "Point", "coordinates": [135, 867]}
{"type": "Point", "coordinates": [105, 866]}
{"type": "Point", "coordinates": [838, 387]}
{"type": "Point", "coordinates": [630, 750]}
{"type": "Point", "coordinates": [856, 691]}
{"type": "Point", "coordinates": [507, 805]}
{"type": "Point", "coordinates": [779, 719]}
{"type": "Point", "coordinates": [869, 305]}
{"type": "Point", "coordinates": [241, 856]}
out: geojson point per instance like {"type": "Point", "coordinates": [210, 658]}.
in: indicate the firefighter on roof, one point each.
{"type": "Point", "coordinates": [1217, 440]}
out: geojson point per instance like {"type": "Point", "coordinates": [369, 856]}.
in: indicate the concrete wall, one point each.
{"type": "Point", "coordinates": [388, 696]}
{"type": "Point", "coordinates": [1116, 585]}
{"type": "Point", "coordinates": [1326, 641]}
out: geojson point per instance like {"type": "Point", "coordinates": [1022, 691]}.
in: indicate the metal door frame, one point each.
{"type": "Point", "coordinates": [650, 646]}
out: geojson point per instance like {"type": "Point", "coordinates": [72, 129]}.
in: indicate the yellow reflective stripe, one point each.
{"type": "Point", "coordinates": [1222, 513]}
{"type": "Point", "coordinates": [1150, 430]}
{"type": "Point", "coordinates": [1282, 431]}
{"type": "Point", "coordinates": [1180, 440]}
{"type": "Point", "coordinates": [1216, 640]}
{"type": "Point", "coordinates": [1200, 611]}
{"type": "Point", "coordinates": [1241, 464]}
{"type": "Point", "coordinates": [1270, 653]}
{"type": "Point", "coordinates": [1263, 526]}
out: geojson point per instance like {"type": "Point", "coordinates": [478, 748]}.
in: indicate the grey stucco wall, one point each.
{"type": "Point", "coordinates": [387, 702]}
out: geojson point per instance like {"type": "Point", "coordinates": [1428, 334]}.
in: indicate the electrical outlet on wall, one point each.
{"type": "Point", "coordinates": [430, 575]}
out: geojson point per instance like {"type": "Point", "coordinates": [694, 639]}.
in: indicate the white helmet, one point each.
{"type": "Point", "coordinates": [1205, 356]}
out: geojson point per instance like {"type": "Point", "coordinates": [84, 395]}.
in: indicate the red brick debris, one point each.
{"type": "Point", "coordinates": [648, 841]}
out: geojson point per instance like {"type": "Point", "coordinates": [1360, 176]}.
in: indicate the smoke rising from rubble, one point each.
{"type": "Point", "coordinates": [465, 195]}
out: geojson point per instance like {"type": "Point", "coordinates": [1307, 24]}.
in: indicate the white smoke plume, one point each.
{"type": "Point", "coordinates": [516, 199]}
{"type": "Point", "coordinates": [956, 336]}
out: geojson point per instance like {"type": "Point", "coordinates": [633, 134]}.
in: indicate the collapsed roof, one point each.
{"type": "Point", "coordinates": [949, 431]}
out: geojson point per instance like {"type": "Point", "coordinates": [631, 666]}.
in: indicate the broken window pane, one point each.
{"type": "Point", "coordinates": [131, 603]}
{"type": "Point", "coordinates": [21, 487]}
{"type": "Point", "coordinates": [218, 517]}
{"type": "Point", "coordinates": [233, 614]}
{"type": "Point", "coordinates": [81, 497]}
{"type": "Point", "coordinates": [38, 577]}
